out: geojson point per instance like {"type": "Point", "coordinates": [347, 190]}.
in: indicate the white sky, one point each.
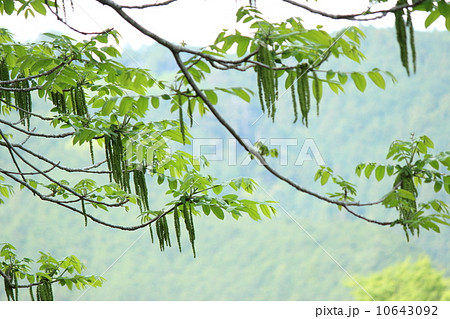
{"type": "Point", "coordinates": [196, 22]}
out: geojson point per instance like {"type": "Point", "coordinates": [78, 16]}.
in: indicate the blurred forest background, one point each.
{"type": "Point", "coordinates": [277, 259]}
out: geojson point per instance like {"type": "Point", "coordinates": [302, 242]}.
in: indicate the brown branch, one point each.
{"type": "Point", "coordinates": [356, 16]}
{"type": "Point", "coordinates": [63, 21]}
{"type": "Point", "coordinates": [366, 219]}
{"type": "Point", "coordinates": [37, 75]}
{"type": "Point", "coordinates": [57, 165]}
{"type": "Point", "coordinates": [33, 88]}
{"type": "Point", "coordinates": [144, 6]}
{"type": "Point", "coordinates": [31, 133]}
{"type": "Point", "coordinates": [11, 152]}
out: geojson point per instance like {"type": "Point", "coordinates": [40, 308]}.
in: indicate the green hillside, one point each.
{"type": "Point", "coordinates": [309, 249]}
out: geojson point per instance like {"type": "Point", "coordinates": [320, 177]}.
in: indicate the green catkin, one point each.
{"type": "Point", "coordinates": [400, 28]}
{"type": "Point", "coordinates": [140, 186]}
{"type": "Point", "coordinates": [190, 111]}
{"type": "Point", "coordinates": [307, 96]}
{"type": "Point", "coordinates": [260, 89]}
{"type": "Point", "coordinates": [44, 291]}
{"type": "Point", "coordinates": [407, 213]}
{"type": "Point", "coordinates": [50, 291]}
{"type": "Point", "coordinates": [191, 219]}
{"type": "Point", "coordinates": [38, 293]}
{"type": "Point", "coordinates": [31, 294]}
{"type": "Point", "coordinates": [16, 286]}
{"type": "Point", "coordinates": [108, 155]}
{"type": "Point", "coordinates": [91, 151]}
{"type": "Point", "coordinates": [115, 160]}
{"type": "Point", "coordinates": [181, 120]}
{"type": "Point", "coordinates": [78, 101]}
{"type": "Point", "coordinates": [59, 101]}
{"type": "Point", "coordinates": [303, 93]}
{"type": "Point", "coordinates": [267, 81]}
{"type": "Point", "coordinates": [23, 101]}
{"type": "Point", "coordinates": [189, 227]}
{"type": "Point", "coordinates": [8, 288]}
{"type": "Point", "coordinates": [151, 233]}
{"type": "Point", "coordinates": [83, 209]}
{"type": "Point", "coordinates": [159, 234]}
{"type": "Point", "coordinates": [166, 232]}
{"type": "Point", "coordinates": [270, 82]}
{"type": "Point", "coordinates": [73, 105]}
{"type": "Point", "coordinates": [4, 76]}
{"type": "Point", "coordinates": [412, 45]}
{"type": "Point", "coordinates": [176, 221]}
{"type": "Point", "coordinates": [292, 76]}
{"type": "Point", "coordinates": [317, 88]}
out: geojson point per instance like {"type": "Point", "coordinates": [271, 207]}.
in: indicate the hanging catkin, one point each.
{"type": "Point", "coordinates": [4, 76]}
{"type": "Point", "coordinates": [303, 93]}
{"type": "Point", "coordinates": [115, 159]}
{"type": "Point", "coordinates": [176, 220]}
{"type": "Point", "coordinates": [22, 99]}
{"type": "Point", "coordinates": [189, 223]}
{"type": "Point", "coordinates": [59, 101]}
{"type": "Point", "coordinates": [400, 28]}
{"type": "Point", "coordinates": [140, 186]}
{"type": "Point", "coordinates": [78, 100]}
{"type": "Point", "coordinates": [412, 45]}
{"type": "Point", "coordinates": [267, 80]}
{"type": "Point", "coordinates": [181, 120]}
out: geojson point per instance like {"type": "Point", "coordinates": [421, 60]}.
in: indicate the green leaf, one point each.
{"type": "Point", "coordinates": [212, 96]}
{"type": "Point", "coordinates": [125, 105]}
{"type": "Point", "coordinates": [108, 107]}
{"type": "Point", "coordinates": [242, 46]}
{"type": "Point", "coordinates": [359, 80]}
{"type": "Point", "coordinates": [431, 18]}
{"type": "Point", "coordinates": [390, 170]}
{"type": "Point", "coordinates": [39, 7]}
{"type": "Point", "coordinates": [217, 211]}
{"type": "Point", "coordinates": [265, 210]}
{"type": "Point", "coordinates": [379, 172]}
{"type": "Point", "coordinates": [325, 176]}
{"type": "Point", "coordinates": [203, 66]}
{"type": "Point", "coordinates": [342, 77]}
{"type": "Point", "coordinates": [242, 94]}
{"type": "Point", "coordinates": [359, 169]}
{"type": "Point", "coordinates": [405, 194]}
{"type": "Point", "coordinates": [9, 6]}
{"type": "Point", "coordinates": [434, 164]}
{"type": "Point", "coordinates": [206, 209]}
{"type": "Point", "coordinates": [217, 189]}
{"type": "Point", "coordinates": [444, 8]}
{"type": "Point", "coordinates": [378, 79]}
{"type": "Point", "coordinates": [155, 102]}
{"type": "Point", "coordinates": [437, 186]}
{"type": "Point", "coordinates": [427, 141]}
{"type": "Point", "coordinates": [368, 170]}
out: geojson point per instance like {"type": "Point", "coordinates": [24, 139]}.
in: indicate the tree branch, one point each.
{"type": "Point", "coordinates": [62, 135]}
{"type": "Point", "coordinates": [356, 16]}
{"type": "Point", "coordinates": [37, 75]}
{"type": "Point", "coordinates": [144, 6]}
